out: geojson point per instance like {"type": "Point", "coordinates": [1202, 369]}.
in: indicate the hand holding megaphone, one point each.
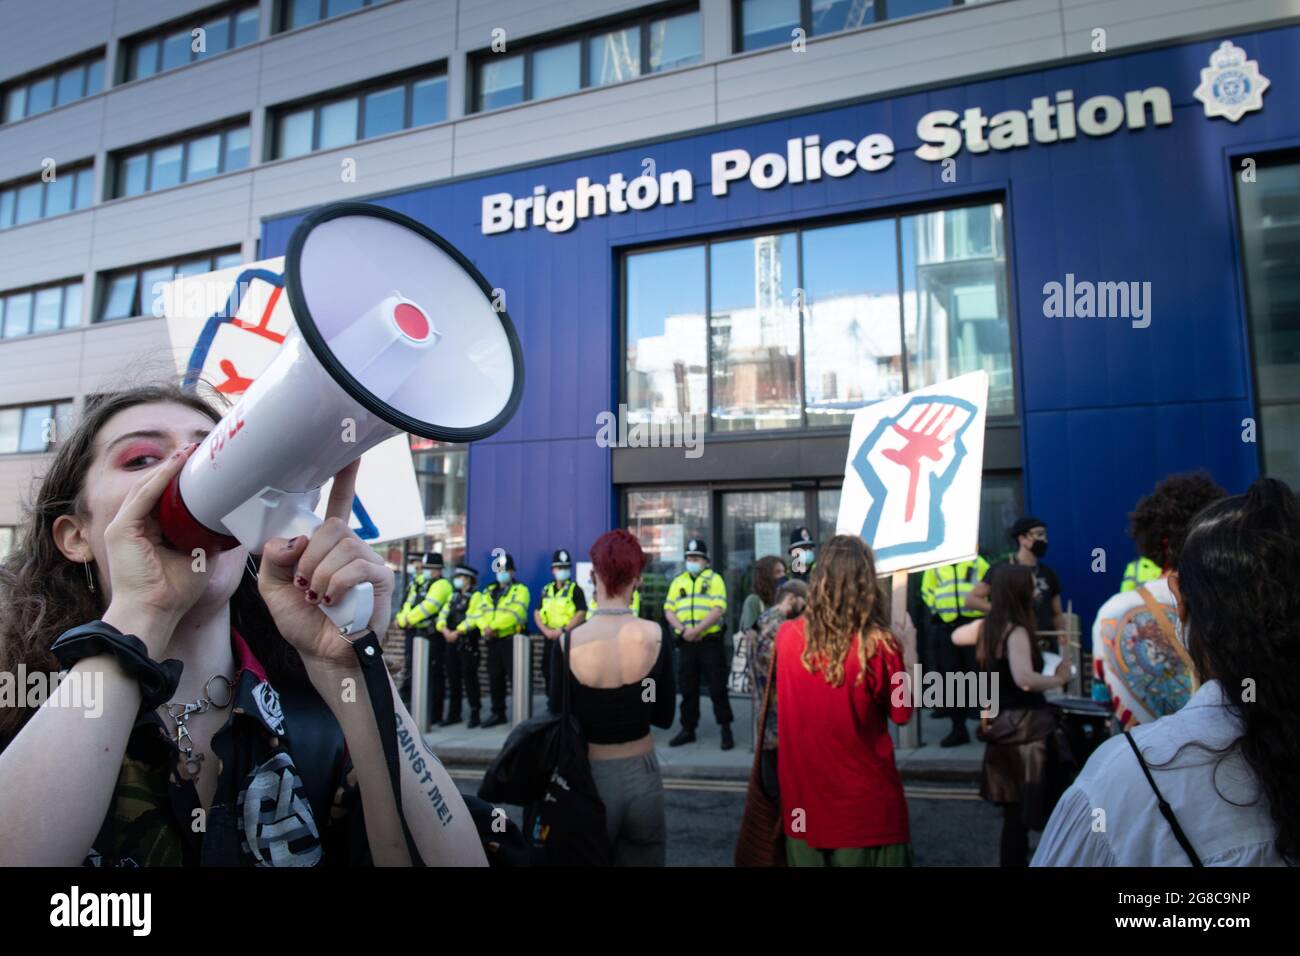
{"type": "Point", "coordinates": [305, 578]}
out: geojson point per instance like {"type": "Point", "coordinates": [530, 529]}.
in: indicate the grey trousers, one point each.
{"type": "Point", "coordinates": [632, 789]}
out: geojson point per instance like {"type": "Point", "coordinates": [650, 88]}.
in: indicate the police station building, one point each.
{"type": "Point", "coordinates": [720, 228]}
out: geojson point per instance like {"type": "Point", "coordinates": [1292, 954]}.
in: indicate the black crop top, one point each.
{"type": "Point", "coordinates": [617, 715]}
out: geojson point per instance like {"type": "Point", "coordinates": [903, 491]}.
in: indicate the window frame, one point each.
{"type": "Point", "coordinates": [582, 35]}
{"type": "Point", "coordinates": [805, 22]}
{"type": "Point", "coordinates": [105, 280]}
{"type": "Point", "coordinates": [83, 62]}
{"type": "Point", "coordinates": [120, 158]}
{"type": "Point", "coordinates": [199, 19]}
{"type": "Point", "coordinates": [72, 174]}
{"type": "Point", "coordinates": [53, 406]}
{"type": "Point", "coordinates": [799, 227]}
{"type": "Point", "coordinates": [406, 79]}
{"type": "Point", "coordinates": [280, 19]}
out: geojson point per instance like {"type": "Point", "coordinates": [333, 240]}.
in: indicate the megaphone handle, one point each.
{"type": "Point", "coordinates": [351, 612]}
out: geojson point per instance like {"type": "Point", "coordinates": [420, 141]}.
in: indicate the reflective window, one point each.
{"type": "Point", "coordinates": [85, 190]}
{"type": "Point", "coordinates": [119, 301]}
{"type": "Point", "coordinates": [144, 60]}
{"type": "Point", "coordinates": [71, 305]}
{"type": "Point", "coordinates": [216, 37]}
{"type": "Point", "coordinates": [768, 22]}
{"type": "Point", "coordinates": [40, 96]}
{"type": "Point", "coordinates": [11, 423]}
{"type": "Point", "coordinates": [338, 124]}
{"type": "Point", "coordinates": [429, 101]}
{"type": "Point", "coordinates": [59, 194]}
{"type": "Point", "coordinates": [765, 23]}
{"type": "Point", "coordinates": [300, 13]}
{"type": "Point", "coordinates": [176, 50]}
{"type": "Point", "coordinates": [614, 57]}
{"type": "Point", "coordinates": [28, 207]}
{"type": "Point", "coordinates": [379, 110]}
{"type": "Point", "coordinates": [674, 42]}
{"type": "Point", "coordinates": [15, 104]}
{"type": "Point", "coordinates": [385, 111]}
{"type": "Point", "coordinates": [94, 77]}
{"type": "Point", "coordinates": [29, 201]}
{"type": "Point", "coordinates": [1269, 209]}
{"type": "Point", "coordinates": [246, 26]}
{"type": "Point", "coordinates": [198, 157]}
{"type": "Point", "coordinates": [41, 310]}
{"type": "Point", "coordinates": [128, 293]}
{"type": "Point", "coordinates": [133, 175]}
{"type": "Point", "coordinates": [176, 45]}
{"type": "Point", "coordinates": [18, 314]}
{"type": "Point", "coordinates": [57, 87]}
{"type": "Point", "coordinates": [667, 362]}
{"type": "Point", "coordinates": [72, 85]}
{"type": "Point", "coordinates": [203, 158]}
{"type": "Point", "coordinates": [755, 524]}
{"type": "Point", "coordinates": [48, 310]}
{"type": "Point", "coordinates": [236, 149]}
{"type": "Point", "coordinates": [831, 16]}
{"type": "Point", "coordinates": [556, 70]}
{"type": "Point", "coordinates": [7, 199]}
{"type": "Point", "coordinates": [166, 166]}
{"type": "Point", "coordinates": [663, 521]}
{"type": "Point", "coordinates": [754, 333]}
{"type": "Point", "coordinates": [295, 134]}
{"type": "Point", "coordinates": [501, 82]}
{"type": "Point", "coordinates": [27, 429]}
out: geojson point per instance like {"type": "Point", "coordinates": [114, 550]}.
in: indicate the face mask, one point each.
{"type": "Point", "coordinates": [563, 574]}
{"type": "Point", "coordinates": [410, 569]}
{"type": "Point", "coordinates": [780, 581]}
{"type": "Point", "coordinates": [694, 567]}
{"type": "Point", "coordinates": [460, 583]}
{"type": "Point", "coordinates": [503, 577]}
{"type": "Point", "coordinates": [1039, 548]}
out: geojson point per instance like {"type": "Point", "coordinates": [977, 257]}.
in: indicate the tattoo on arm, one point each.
{"type": "Point", "coordinates": [412, 744]}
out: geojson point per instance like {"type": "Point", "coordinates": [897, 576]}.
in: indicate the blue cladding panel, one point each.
{"type": "Point", "coordinates": [1108, 409]}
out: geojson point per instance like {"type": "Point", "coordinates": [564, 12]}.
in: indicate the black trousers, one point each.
{"type": "Point", "coordinates": [554, 702]}
{"type": "Point", "coordinates": [444, 674]}
{"type": "Point", "coordinates": [500, 654]}
{"type": "Point", "coordinates": [1014, 848]}
{"type": "Point", "coordinates": [948, 658]}
{"type": "Point", "coordinates": [708, 656]}
{"type": "Point", "coordinates": [467, 656]}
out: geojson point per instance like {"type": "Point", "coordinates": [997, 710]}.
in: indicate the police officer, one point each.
{"type": "Point", "coordinates": [1141, 571]}
{"type": "Point", "coordinates": [502, 613]}
{"type": "Point", "coordinates": [563, 606]}
{"type": "Point", "coordinates": [462, 644]}
{"type": "Point", "coordinates": [802, 553]}
{"type": "Point", "coordinates": [697, 600]}
{"type": "Point", "coordinates": [426, 596]}
{"type": "Point", "coordinates": [943, 591]}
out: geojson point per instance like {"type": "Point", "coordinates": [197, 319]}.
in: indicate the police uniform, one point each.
{"type": "Point", "coordinates": [1140, 572]}
{"type": "Point", "coordinates": [943, 591]}
{"type": "Point", "coordinates": [692, 598]}
{"type": "Point", "coordinates": [801, 539]}
{"type": "Point", "coordinates": [463, 653]}
{"type": "Point", "coordinates": [561, 601]}
{"type": "Point", "coordinates": [425, 597]}
{"type": "Point", "coordinates": [503, 608]}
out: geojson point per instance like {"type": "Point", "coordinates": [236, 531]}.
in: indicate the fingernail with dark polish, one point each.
{"type": "Point", "coordinates": [327, 599]}
{"type": "Point", "coordinates": [301, 581]}
{"type": "Point", "coordinates": [311, 595]}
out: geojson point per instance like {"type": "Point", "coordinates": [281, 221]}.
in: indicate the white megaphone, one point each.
{"type": "Point", "coordinates": [391, 320]}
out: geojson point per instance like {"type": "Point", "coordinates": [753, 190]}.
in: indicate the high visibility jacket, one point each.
{"type": "Point", "coordinates": [473, 613]}
{"type": "Point", "coordinates": [453, 613]}
{"type": "Point", "coordinates": [693, 598]}
{"type": "Point", "coordinates": [424, 600]}
{"type": "Point", "coordinates": [503, 609]}
{"type": "Point", "coordinates": [635, 605]}
{"type": "Point", "coordinates": [558, 606]}
{"type": "Point", "coordinates": [1140, 572]}
{"type": "Point", "coordinates": [944, 589]}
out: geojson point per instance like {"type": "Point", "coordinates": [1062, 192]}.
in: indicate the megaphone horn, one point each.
{"type": "Point", "coordinates": [395, 331]}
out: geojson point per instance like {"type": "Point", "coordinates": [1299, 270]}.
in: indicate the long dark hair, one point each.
{"type": "Point", "coordinates": [1239, 576]}
{"type": "Point", "coordinates": [1011, 594]}
{"type": "Point", "coordinates": [765, 575]}
{"type": "Point", "coordinates": [43, 594]}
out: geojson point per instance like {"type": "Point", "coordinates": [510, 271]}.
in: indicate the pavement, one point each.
{"type": "Point", "coordinates": [705, 760]}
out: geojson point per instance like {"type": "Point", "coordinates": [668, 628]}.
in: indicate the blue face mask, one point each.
{"type": "Point", "coordinates": [503, 577]}
{"type": "Point", "coordinates": [563, 574]}
{"type": "Point", "coordinates": [461, 583]}
{"type": "Point", "coordinates": [694, 567]}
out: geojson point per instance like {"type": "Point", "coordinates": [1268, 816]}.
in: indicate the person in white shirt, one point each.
{"type": "Point", "coordinates": [1141, 667]}
{"type": "Point", "coordinates": [1224, 766]}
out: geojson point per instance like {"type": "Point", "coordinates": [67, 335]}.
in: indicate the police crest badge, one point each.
{"type": "Point", "coordinates": [1231, 86]}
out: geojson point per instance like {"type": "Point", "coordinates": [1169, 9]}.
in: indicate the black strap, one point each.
{"type": "Point", "coordinates": [157, 679]}
{"type": "Point", "coordinates": [379, 689]}
{"type": "Point", "coordinates": [1165, 809]}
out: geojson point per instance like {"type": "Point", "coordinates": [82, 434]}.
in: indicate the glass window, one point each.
{"type": "Point", "coordinates": [71, 305]}
{"type": "Point", "coordinates": [828, 513]}
{"type": "Point", "coordinates": [94, 77]}
{"type": "Point", "coordinates": [58, 194]}
{"type": "Point", "coordinates": [40, 96]}
{"type": "Point", "coordinates": [191, 267]}
{"type": "Point", "coordinates": [216, 37]}
{"type": "Point", "coordinates": [48, 310]}
{"type": "Point", "coordinates": [119, 299]}
{"type": "Point", "coordinates": [145, 60]}
{"type": "Point", "coordinates": [63, 416]}
{"type": "Point", "coordinates": [334, 7]}
{"type": "Point", "coordinates": [296, 133]}
{"type": "Point", "coordinates": [166, 166]}
{"type": "Point", "coordinates": [1000, 506]}
{"type": "Point", "coordinates": [500, 81]}
{"type": "Point", "coordinates": [203, 158]}
{"type": "Point", "coordinates": [18, 314]}
{"type": "Point", "coordinates": [754, 525]}
{"type": "Point", "coordinates": [236, 149]}
{"type": "Point", "coordinates": [338, 123]}
{"type": "Point", "coordinates": [385, 111]}
{"type": "Point", "coordinates": [72, 85]}
{"type": "Point", "coordinates": [133, 176]}
{"type": "Point", "coordinates": [907, 8]}
{"type": "Point", "coordinates": [667, 370]}
{"type": "Point", "coordinates": [85, 188]}
{"type": "Point", "coordinates": [663, 521]}
{"type": "Point", "coordinates": [6, 541]}
{"type": "Point", "coordinates": [228, 259]}
{"type": "Point", "coordinates": [557, 70]}
{"type": "Point", "coordinates": [853, 349]}
{"type": "Point", "coordinates": [831, 16]}
{"type": "Point", "coordinates": [11, 421]}
{"type": "Point", "coordinates": [7, 208]}
{"type": "Point", "coordinates": [1269, 209]}
{"type": "Point", "coordinates": [614, 56]}
{"type": "Point", "coordinates": [151, 283]}
{"type": "Point", "coordinates": [429, 101]}
{"type": "Point", "coordinates": [303, 12]}
{"type": "Point", "coordinates": [245, 27]}
{"type": "Point", "coordinates": [955, 304]}
{"type": "Point", "coordinates": [767, 22]}
{"type": "Point", "coordinates": [176, 50]}
{"type": "Point", "coordinates": [754, 329]}
{"type": "Point", "coordinates": [38, 425]}
{"type": "Point", "coordinates": [15, 103]}
{"type": "Point", "coordinates": [28, 208]}
{"type": "Point", "coordinates": [675, 41]}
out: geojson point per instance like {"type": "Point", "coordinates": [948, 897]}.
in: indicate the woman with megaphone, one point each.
{"type": "Point", "coordinates": [209, 713]}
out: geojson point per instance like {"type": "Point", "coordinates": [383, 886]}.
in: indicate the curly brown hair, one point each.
{"type": "Point", "coordinates": [765, 575]}
{"type": "Point", "coordinates": [845, 603]}
{"type": "Point", "coordinates": [1159, 522]}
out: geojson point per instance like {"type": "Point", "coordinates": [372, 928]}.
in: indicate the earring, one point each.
{"type": "Point", "coordinates": [90, 578]}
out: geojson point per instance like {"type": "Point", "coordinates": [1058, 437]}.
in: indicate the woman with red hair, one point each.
{"type": "Point", "coordinates": [621, 682]}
